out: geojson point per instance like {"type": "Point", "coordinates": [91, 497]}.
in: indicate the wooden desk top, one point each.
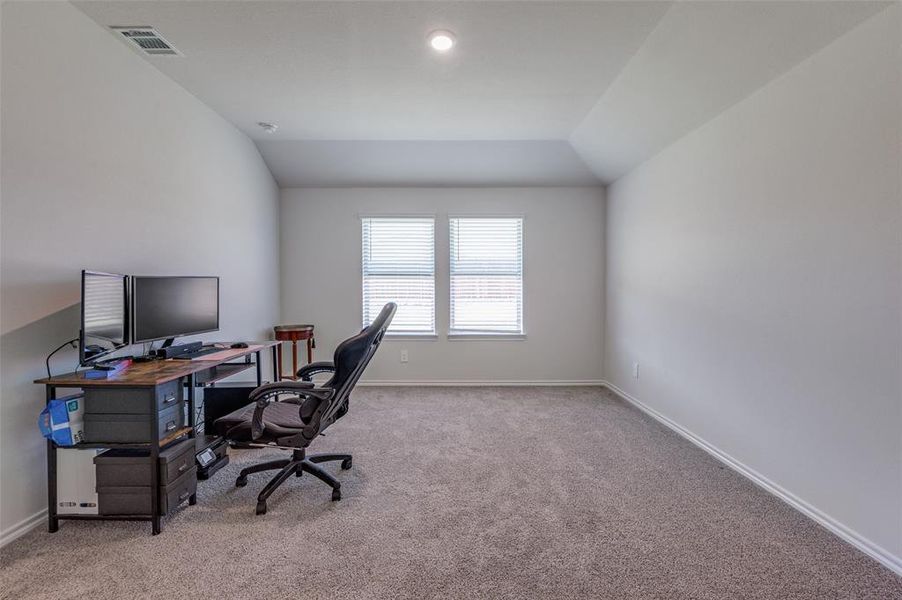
{"type": "Point", "coordinates": [157, 371]}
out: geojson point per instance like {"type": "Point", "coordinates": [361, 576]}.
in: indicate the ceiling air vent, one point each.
{"type": "Point", "coordinates": [147, 40]}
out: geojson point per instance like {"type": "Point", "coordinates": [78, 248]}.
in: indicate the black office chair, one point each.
{"type": "Point", "coordinates": [296, 421]}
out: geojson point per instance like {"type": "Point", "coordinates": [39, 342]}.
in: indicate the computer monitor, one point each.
{"type": "Point", "coordinates": [169, 307]}
{"type": "Point", "coordinates": [104, 314]}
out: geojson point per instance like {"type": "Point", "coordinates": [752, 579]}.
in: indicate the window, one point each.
{"type": "Point", "coordinates": [486, 275]}
{"type": "Point", "coordinates": [399, 266]}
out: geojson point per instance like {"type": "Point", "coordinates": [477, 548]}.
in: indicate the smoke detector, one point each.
{"type": "Point", "coordinates": [147, 40]}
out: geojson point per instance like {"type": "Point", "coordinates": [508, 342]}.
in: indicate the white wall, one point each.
{"type": "Point", "coordinates": [753, 270]}
{"type": "Point", "coordinates": [107, 164]}
{"type": "Point", "coordinates": [563, 285]}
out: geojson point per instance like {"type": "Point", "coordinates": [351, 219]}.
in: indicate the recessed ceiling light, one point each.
{"type": "Point", "coordinates": [441, 40]}
{"type": "Point", "coordinates": [268, 127]}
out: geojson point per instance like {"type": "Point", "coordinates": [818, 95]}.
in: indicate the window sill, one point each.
{"type": "Point", "coordinates": [427, 337]}
{"type": "Point", "coordinates": [486, 337]}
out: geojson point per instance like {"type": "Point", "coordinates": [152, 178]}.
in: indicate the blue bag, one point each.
{"type": "Point", "coordinates": [62, 421]}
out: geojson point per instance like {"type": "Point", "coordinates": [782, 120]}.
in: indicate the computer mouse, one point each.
{"type": "Point", "coordinates": [239, 345]}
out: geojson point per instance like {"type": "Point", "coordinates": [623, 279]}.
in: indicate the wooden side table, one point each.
{"type": "Point", "coordinates": [294, 334]}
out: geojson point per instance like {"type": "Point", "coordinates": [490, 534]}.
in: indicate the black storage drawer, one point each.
{"type": "Point", "coordinates": [131, 428]}
{"type": "Point", "coordinates": [172, 495]}
{"type": "Point", "coordinates": [171, 420]}
{"type": "Point", "coordinates": [178, 464]}
{"type": "Point", "coordinates": [132, 401]}
{"type": "Point", "coordinates": [136, 500]}
{"type": "Point", "coordinates": [133, 500]}
{"type": "Point", "coordinates": [117, 468]}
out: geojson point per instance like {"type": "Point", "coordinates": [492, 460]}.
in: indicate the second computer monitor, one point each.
{"type": "Point", "coordinates": [169, 307]}
{"type": "Point", "coordinates": [104, 315]}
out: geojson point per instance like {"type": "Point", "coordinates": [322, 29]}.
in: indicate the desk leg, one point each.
{"type": "Point", "coordinates": [277, 362]}
{"type": "Point", "coordinates": [259, 355]}
{"type": "Point", "coordinates": [53, 523]}
{"type": "Point", "coordinates": [156, 521]}
{"type": "Point", "coordinates": [192, 422]}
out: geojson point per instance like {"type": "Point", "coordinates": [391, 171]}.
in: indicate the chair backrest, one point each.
{"type": "Point", "coordinates": [351, 358]}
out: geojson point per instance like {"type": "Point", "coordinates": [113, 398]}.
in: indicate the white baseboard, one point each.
{"type": "Point", "coordinates": [22, 527]}
{"type": "Point", "coordinates": [878, 553]}
{"type": "Point", "coordinates": [483, 383]}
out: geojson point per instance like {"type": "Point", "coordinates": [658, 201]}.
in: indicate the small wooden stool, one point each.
{"type": "Point", "coordinates": [294, 334]}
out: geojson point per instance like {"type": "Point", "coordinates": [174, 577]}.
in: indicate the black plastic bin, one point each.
{"type": "Point", "coordinates": [136, 500]}
{"type": "Point", "coordinates": [117, 468]}
{"type": "Point", "coordinates": [131, 428]}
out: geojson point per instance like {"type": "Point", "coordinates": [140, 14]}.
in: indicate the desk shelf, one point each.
{"type": "Point", "coordinates": [106, 517]}
{"type": "Point", "coordinates": [133, 445]}
{"type": "Point", "coordinates": [220, 372]}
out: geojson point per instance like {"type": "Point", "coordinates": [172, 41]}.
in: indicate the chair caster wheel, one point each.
{"type": "Point", "coordinates": [346, 464]}
{"type": "Point", "coordinates": [241, 482]}
{"type": "Point", "coordinates": [336, 495]}
{"type": "Point", "coordinates": [261, 508]}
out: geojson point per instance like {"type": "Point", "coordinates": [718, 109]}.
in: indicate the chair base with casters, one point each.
{"type": "Point", "coordinates": [297, 465]}
{"type": "Point", "coordinates": [292, 414]}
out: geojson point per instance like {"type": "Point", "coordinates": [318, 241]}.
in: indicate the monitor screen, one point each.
{"type": "Point", "coordinates": [103, 311]}
{"type": "Point", "coordinates": [168, 307]}
{"type": "Point", "coordinates": [104, 314]}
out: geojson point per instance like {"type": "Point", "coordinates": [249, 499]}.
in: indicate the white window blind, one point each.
{"type": "Point", "coordinates": [486, 275]}
{"type": "Point", "coordinates": [399, 266]}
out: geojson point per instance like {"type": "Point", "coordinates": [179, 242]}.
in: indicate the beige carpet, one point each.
{"type": "Point", "coordinates": [468, 493]}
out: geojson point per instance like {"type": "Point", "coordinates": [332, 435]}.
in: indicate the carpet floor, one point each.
{"type": "Point", "coordinates": [467, 493]}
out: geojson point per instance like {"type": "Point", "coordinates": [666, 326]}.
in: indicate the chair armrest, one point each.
{"type": "Point", "coordinates": [308, 371]}
{"type": "Point", "coordinates": [264, 394]}
{"type": "Point", "coordinates": [279, 387]}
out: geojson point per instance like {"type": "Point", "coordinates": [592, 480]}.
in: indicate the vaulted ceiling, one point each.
{"type": "Point", "coordinates": [534, 93]}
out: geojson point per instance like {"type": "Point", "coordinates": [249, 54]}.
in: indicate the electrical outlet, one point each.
{"type": "Point", "coordinates": [635, 370]}
{"type": "Point", "coordinates": [404, 355]}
